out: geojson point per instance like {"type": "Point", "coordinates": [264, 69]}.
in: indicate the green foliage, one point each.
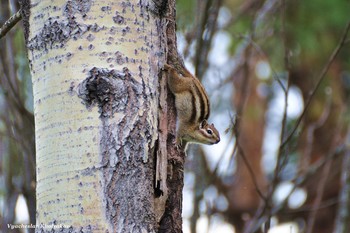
{"type": "Point", "coordinates": [185, 14]}
{"type": "Point", "coordinates": [312, 29]}
{"type": "Point", "coordinates": [316, 25]}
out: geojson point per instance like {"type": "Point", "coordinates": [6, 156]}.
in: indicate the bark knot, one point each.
{"type": "Point", "coordinates": [108, 89]}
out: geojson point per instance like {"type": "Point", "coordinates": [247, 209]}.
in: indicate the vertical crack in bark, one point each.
{"type": "Point", "coordinates": [161, 153]}
{"type": "Point", "coordinates": [172, 219]}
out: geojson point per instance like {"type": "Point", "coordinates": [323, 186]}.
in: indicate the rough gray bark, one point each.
{"type": "Point", "coordinates": [127, 169]}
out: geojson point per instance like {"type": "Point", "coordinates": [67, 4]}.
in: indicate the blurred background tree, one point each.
{"type": "Point", "coordinates": [278, 76]}
{"type": "Point", "coordinates": [17, 149]}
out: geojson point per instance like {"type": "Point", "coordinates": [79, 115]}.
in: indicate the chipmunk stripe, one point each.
{"type": "Point", "coordinates": [206, 116]}
{"type": "Point", "coordinates": [201, 108]}
{"type": "Point", "coordinates": [205, 106]}
{"type": "Point", "coordinates": [194, 109]}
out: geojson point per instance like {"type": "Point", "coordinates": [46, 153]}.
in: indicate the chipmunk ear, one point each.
{"type": "Point", "coordinates": [204, 123]}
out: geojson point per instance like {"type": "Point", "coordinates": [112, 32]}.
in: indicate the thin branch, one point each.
{"type": "Point", "coordinates": [309, 208]}
{"type": "Point", "coordinates": [242, 10]}
{"type": "Point", "coordinates": [206, 30]}
{"type": "Point", "coordinates": [280, 161]}
{"type": "Point", "coordinates": [319, 196]}
{"type": "Point", "coordinates": [10, 23]}
{"type": "Point", "coordinates": [306, 156]}
{"type": "Point", "coordinates": [274, 73]}
{"type": "Point", "coordinates": [250, 170]}
{"type": "Point", "coordinates": [10, 88]}
{"type": "Point", "coordinates": [322, 75]}
{"type": "Point", "coordinates": [231, 129]}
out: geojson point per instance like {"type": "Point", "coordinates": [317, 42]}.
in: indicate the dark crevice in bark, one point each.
{"type": "Point", "coordinates": [171, 221]}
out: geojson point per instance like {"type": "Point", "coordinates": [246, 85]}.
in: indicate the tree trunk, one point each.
{"type": "Point", "coordinates": [103, 124]}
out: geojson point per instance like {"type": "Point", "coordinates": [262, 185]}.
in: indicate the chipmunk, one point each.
{"type": "Point", "coordinates": [193, 109]}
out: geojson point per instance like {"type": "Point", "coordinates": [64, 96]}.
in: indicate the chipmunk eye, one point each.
{"type": "Point", "coordinates": [209, 131]}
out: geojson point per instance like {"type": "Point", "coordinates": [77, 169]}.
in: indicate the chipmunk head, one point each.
{"type": "Point", "coordinates": [210, 135]}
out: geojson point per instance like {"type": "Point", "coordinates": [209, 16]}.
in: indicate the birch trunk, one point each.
{"type": "Point", "coordinates": [95, 69]}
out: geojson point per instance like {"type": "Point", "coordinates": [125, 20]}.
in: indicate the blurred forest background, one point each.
{"type": "Point", "coordinates": [278, 76]}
